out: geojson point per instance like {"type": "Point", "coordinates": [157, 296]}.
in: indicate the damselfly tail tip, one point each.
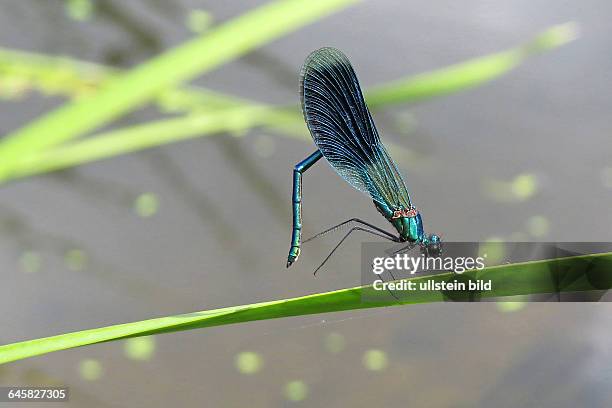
{"type": "Point", "coordinates": [294, 253]}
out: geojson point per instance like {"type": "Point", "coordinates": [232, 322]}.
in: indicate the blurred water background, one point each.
{"type": "Point", "coordinates": [206, 223]}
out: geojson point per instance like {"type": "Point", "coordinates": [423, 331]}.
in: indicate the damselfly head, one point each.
{"type": "Point", "coordinates": [432, 245]}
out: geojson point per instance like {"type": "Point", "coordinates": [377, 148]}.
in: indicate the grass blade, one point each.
{"type": "Point", "coordinates": [72, 77]}
{"type": "Point", "coordinates": [468, 74]}
{"type": "Point", "coordinates": [285, 120]}
{"type": "Point", "coordinates": [537, 277]}
{"type": "Point", "coordinates": [129, 91]}
{"type": "Point", "coordinates": [139, 137]}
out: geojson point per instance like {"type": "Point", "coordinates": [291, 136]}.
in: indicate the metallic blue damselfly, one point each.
{"type": "Point", "coordinates": [343, 130]}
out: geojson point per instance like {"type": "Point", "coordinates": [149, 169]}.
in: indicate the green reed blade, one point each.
{"type": "Point", "coordinates": [536, 277]}
{"type": "Point", "coordinates": [134, 88]}
{"type": "Point", "coordinates": [470, 73]}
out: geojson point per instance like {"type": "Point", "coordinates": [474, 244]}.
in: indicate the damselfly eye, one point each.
{"type": "Point", "coordinates": [433, 245]}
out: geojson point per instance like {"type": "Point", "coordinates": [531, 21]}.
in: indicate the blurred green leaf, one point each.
{"type": "Point", "coordinates": [206, 102]}
{"type": "Point", "coordinates": [136, 138]}
{"type": "Point", "coordinates": [537, 277]}
{"type": "Point", "coordinates": [79, 75]}
{"type": "Point", "coordinates": [131, 90]}
{"type": "Point", "coordinates": [468, 74]}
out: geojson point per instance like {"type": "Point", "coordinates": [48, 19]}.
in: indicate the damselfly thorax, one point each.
{"type": "Point", "coordinates": [407, 222]}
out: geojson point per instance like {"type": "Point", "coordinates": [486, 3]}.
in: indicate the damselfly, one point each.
{"type": "Point", "coordinates": [344, 132]}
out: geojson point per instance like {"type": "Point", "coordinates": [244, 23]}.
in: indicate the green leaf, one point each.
{"type": "Point", "coordinates": [139, 137]}
{"type": "Point", "coordinates": [71, 77]}
{"type": "Point", "coordinates": [468, 74]}
{"type": "Point", "coordinates": [285, 120]}
{"type": "Point", "coordinates": [134, 88]}
{"type": "Point", "coordinates": [572, 274]}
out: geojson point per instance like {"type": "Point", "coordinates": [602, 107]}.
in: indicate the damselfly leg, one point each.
{"type": "Point", "coordinates": [377, 231]}
{"type": "Point", "coordinates": [405, 248]}
{"type": "Point", "coordinates": [355, 220]}
{"type": "Point", "coordinates": [392, 238]}
{"type": "Point", "coordinates": [296, 234]}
